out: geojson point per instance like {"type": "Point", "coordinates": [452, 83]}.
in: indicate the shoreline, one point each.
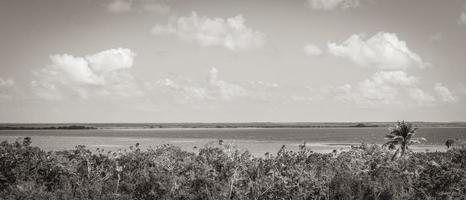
{"type": "Point", "coordinates": [217, 125]}
{"type": "Point", "coordinates": [255, 147]}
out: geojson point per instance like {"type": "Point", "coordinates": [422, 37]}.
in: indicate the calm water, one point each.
{"type": "Point", "coordinates": [256, 140]}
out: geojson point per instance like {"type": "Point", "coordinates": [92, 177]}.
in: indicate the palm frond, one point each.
{"type": "Point", "coordinates": [389, 136]}
{"type": "Point", "coordinates": [410, 135]}
{"type": "Point", "coordinates": [395, 132]}
{"type": "Point", "coordinates": [394, 142]}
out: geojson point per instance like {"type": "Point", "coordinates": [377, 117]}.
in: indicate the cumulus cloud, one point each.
{"type": "Point", "coordinates": [224, 89]}
{"type": "Point", "coordinates": [327, 5]}
{"type": "Point", "coordinates": [444, 93]}
{"type": "Point", "coordinates": [394, 78]}
{"type": "Point", "coordinates": [103, 73]}
{"type": "Point", "coordinates": [312, 50]}
{"type": "Point", "coordinates": [383, 51]}
{"type": "Point", "coordinates": [231, 33]}
{"type": "Point", "coordinates": [111, 60]}
{"type": "Point", "coordinates": [74, 68]}
{"type": "Point", "coordinates": [212, 89]}
{"type": "Point", "coordinates": [386, 88]}
{"type": "Point", "coordinates": [420, 96]}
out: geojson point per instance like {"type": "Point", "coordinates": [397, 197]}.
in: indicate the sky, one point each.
{"type": "Point", "coordinates": [232, 61]}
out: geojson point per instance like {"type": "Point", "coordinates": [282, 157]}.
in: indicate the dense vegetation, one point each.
{"type": "Point", "coordinates": [221, 172]}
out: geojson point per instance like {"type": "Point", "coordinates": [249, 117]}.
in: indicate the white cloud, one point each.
{"type": "Point", "coordinates": [462, 19]}
{"type": "Point", "coordinates": [231, 33]}
{"type": "Point", "coordinates": [420, 97]}
{"type": "Point", "coordinates": [312, 50]}
{"type": "Point", "coordinates": [111, 60]}
{"type": "Point", "coordinates": [386, 88]}
{"type": "Point", "coordinates": [74, 68]}
{"type": "Point", "coordinates": [327, 5]}
{"type": "Point", "coordinates": [119, 6]}
{"type": "Point", "coordinates": [213, 89]}
{"type": "Point", "coordinates": [383, 51]}
{"type": "Point", "coordinates": [394, 78]}
{"type": "Point", "coordinates": [184, 92]}
{"type": "Point", "coordinates": [104, 73]}
{"type": "Point", "coordinates": [444, 93]}
{"type": "Point", "coordinates": [224, 89]}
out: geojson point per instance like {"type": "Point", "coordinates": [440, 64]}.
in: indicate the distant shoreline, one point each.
{"type": "Point", "coordinates": [85, 126]}
{"type": "Point", "coordinates": [72, 127]}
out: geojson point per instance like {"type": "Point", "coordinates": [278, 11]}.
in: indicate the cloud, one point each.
{"type": "Point", "coordinates": [327, 5]}
{"type": "Point", "coordinates": [224, 89]}
{"type": "Point", "coordinates": [74, 68]}
{"type": "Point", "coordinates": [212, 89]}
{"type": "Point", "coordinates": [120, 6]}
{"type": "Point", "coordinates": [231, 33]}
{"type": "Point", "coordinates": [46, 90]}
{"type": "Point", "coordinates": [312, 50]}
{"type": "Point", "coordinates": [7, 82]}
{"type": "Point", "coordinates": [382, 51]}
{"type": "Point", "coordinates": [111, 60]}
{"type": "Point", "coordinates": [420, 97]}
{"type": "Point", "coordinates": [462, 19]}
{"type": "Point", "coordinates": [101, 74]}
{"type": "Point", "coordinates": [7, 89]}
{"type": "Point", "coordinates": [386, 88]}
{"type": "Point", "coordinates": [123, 6]}
{"type": "Point", "coordinates": [394, 78]}
{"type": "Point", "coordinates": [444, 93]}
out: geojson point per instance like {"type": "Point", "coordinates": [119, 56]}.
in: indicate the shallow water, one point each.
{"type": "Point", "coordinates": [257, 140]}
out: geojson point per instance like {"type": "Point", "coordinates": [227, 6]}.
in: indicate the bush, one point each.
{"type": "Point", "coordinates": [222, 172]}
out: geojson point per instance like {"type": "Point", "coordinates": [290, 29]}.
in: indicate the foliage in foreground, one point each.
{"type": "Point", "coordinates": [221, 172]}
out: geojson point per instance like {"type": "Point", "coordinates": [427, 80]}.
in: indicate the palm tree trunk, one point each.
{"type": "Point", "coordinates": [396, 153]}
{"type": "Point", "coordinates": [403, 149]}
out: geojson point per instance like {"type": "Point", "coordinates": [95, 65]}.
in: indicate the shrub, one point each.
{"type": "Point", "coordinates": [222, 172]}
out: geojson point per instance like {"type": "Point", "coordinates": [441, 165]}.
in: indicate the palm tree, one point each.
{"type": "Point", "coordinates": [402, 136]}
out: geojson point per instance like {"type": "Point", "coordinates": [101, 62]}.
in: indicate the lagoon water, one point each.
{"type": "Point", "coordinates": [257, 140]}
